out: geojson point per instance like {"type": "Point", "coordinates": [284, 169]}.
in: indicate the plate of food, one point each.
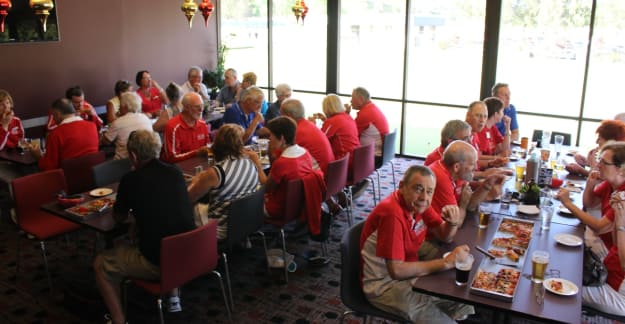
{"type": "Point", "coordinates": [100, 192]}
{"type": "Point", "coordinates": [561, 286]}
{"type": "Point", "coordinates": [568, 239]}
{"type": "Point", "coordinates": [496, 281]}
{"type": "Point", "coordinates": [92, 207]}
{"type": "Point", "coordinates": [573, 187]}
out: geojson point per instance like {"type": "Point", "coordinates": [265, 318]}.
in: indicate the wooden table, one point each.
{"type": "Point", "coordinates": [25, 158]}
{"type": "Point", "coordinates": [568, 260]}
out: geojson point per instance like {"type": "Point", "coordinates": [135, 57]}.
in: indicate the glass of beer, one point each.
{"type": "Point", "coordinates": [484, 214]}
{"type": "Point", "coordinates": [520, 170]}
{"type": "Point", "coordinates": [540, 260]}
{"type": "Point", "coordinates": [463, 268]}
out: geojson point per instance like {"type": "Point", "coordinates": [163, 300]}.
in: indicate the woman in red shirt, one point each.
{"type": "Point", "coordinates": [152, 95]}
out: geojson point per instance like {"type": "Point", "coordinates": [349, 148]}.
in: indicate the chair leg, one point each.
{"type": "Point", "coordinates": [159, 303]}
{"type": "Point", "coordinates": [223, 293]}
{"type": "Point", "coordinates": [350, 207]}
{"type": "Point", "coordinates": [286, 272]}
{"type": "Point", "coordinates": [377, 172]}
{"type": "Point", "coordinates": [393, 172]}
{"type": "Point", "coordinates": [265, 248]}
{"type": "Point", "coordinates": [225, 257]}
{"type": "Point", "coordinates": [42, 244]}
{"type": "Point", "coordinates": [18, 253]}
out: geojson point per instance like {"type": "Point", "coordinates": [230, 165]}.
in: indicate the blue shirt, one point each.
{"type": "Point", "coordinates": [509, 111]}
{"type": "Point", "coordinates": [235, 115]}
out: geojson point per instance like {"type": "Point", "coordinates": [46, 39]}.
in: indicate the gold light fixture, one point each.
{"type": "Point", "coordinates": [300, 10]}
{"type": "Point", "coordinates": [189, 7]}
{"type": "Point", "coordinates": [5, 7]}
{"type": "Point", "coordinates": [42, 10]}
{"type": "Point", "coordinates": [206, 7]}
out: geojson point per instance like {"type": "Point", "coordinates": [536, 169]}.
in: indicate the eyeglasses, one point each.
{"type": "Point", "coordinates": [604, 162]}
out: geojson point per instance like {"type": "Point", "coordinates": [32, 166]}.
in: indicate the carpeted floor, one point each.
{"type": "Point", "coordinates": [312, 295]}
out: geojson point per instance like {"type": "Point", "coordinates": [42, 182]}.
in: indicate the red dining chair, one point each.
{"type": "Point", "coordinates": [362, 168]}
{"type": "Point", "coordinates": [388, 153]}
{"type": "Point", "coordinates": [29, 193]}
{"type": "Point", "coordinates": [79, 172]}
{"type": "Point", "coordinates": [184, 257]}
{"type": "Point", "coordinates": [292, 210]}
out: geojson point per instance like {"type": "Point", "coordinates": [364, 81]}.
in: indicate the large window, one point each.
{"type": "Point", "coordinates": [542, 53]}
{"type": "Point", "coordinates": [424, 61]}
{"type": "Point", "coordinates": [606, 70]}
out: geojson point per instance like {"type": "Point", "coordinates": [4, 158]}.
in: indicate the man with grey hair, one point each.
{"type": "Point", "coordinates": [370, 121]}
{"type": "Point", "coordinates": [156, 193]}
{"type": "Point", "coordinates": [455, 129]}
{"type": "Point", "coordinates": [454, 172]}
{"type": "Point", "coordinates": [247, 112]}
{"type": "Point", "coordinates": [194, 83]}
{"type": "Point", "coordinates": [228, 93]}
{"type": "Point", "coordinates": [307, 135]}
{"type": "Point", "coordinates": [130, 119]}
{"type": "Point", "coordinates": [283, 91]}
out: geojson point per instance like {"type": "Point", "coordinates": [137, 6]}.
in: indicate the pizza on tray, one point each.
{"type": "Point", "coordinates": [503, 282]}
{"type": "Point", "coordinates": [92, 206]}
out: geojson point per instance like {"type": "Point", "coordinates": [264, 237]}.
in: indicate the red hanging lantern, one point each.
{"type": "Point", "coordinates": [206, 7]}
{"type": "Point", "coordinates": [304, 12]}
{"type": "Point", "coordinates": [5, 7]}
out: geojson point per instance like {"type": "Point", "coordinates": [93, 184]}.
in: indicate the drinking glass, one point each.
{"type": "Point", "coordinates": [544, 155]}
{"type": "Point", "coordinates": [558, 140]}
{"type": "Point", "coordinates": [520, 170]}
{"type": "Point", "coordinates": [484, 215]}
{"type": "Point", "coordinates": [463, 268]}
{"type": "Point", "coordinates": [546, 139]}
{"type": "Point", "coordinates": [540, 261]}
{"type": "Point", "coordinates": [263, 145]}
{"type": "Point", "coordinates": [546, 213]}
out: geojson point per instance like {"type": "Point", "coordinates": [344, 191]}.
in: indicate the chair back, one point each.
{"type": "Point", "coordinates": [537, 135]}
{"type": "Point", "coordinates": [352, 294]}
{"type": "Point", "coordinates": [110, 171]}
{"type": "Point", "coordinates": [388, 148]}
{"type": "Point", "coordinates": [364, 163]}
{"type": "Point", "coordinates": [245, 217]}
{"type": "Point", "coordinates": [294, 199]}
{"type": "Point", "coordinates": [32, 191]}
{"type": "Point", "coordinates": [79, 173]}
{"type": "Point", "coordinates": [336, 176]}
{"type": "Point", "coordinates": [567, 138]}
{"type": "Point", "coordinates": [188, 255]}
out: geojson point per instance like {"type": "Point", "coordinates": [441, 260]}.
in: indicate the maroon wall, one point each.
{"type": "Point", "coordinates": [101, 42]}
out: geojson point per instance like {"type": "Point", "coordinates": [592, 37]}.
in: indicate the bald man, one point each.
{"type": "Point", "coordinates": [186, 134]}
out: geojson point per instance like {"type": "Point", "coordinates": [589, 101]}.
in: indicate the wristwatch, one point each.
{"type": "Point", "coordinates": [620, 228]}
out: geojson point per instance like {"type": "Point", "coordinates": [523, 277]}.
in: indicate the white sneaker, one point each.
{"type": "Point", "coordinates": [174, 305]}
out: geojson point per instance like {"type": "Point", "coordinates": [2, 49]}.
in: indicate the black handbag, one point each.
{"type": "Point", "coordinates": [595, 273]}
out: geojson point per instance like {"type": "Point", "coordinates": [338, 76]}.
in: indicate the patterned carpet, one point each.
{"type": "Point", "coordinates": [312, 295]}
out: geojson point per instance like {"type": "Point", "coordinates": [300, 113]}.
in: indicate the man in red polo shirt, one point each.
{"type": "Point", "coordinates": [308, 135]}
{"type": "Point", "coordinates": [477, 114]}
{"type": "Point", "coordinates": [73, 137]}
{"type": "Point", "coordinates": [83, 109]}
{"type": "Point", "coordinates": [453, 173]}
{"type": "Point", "coordinates": [389, 242]}
{"type": "Point", "coordinates": [186, 134]}
{"type": "Point", "coordinates": [371, 122]}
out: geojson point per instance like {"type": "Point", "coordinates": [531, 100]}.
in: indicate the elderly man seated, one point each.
{"type": "Point", "coordinates": [477, 115]}
{"type": "Point", "coordinates": [228, 93]}
{"type": "Point", "coordinates": [83, 109]}
{"type": "Point", "coordinates": [130, 119]}
{"type": "Point", "coordinates": [73, 137]}
{"type": "Point", "coordinates": [283, 91]}
{"type": "Point", "coordinates": [389, 242]}
{"type": "Point", "coordinates": [246, 112]}
{"type": "Point", "coordinates": [186, 134]}
{"type": "Point", "coordinates": [308, 135]}
{"type": "Point", "coordinates": [371, 122]}
{"type": "Point", "coordinates": [194, 83]}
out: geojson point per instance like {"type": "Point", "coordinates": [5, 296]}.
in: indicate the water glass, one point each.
{"type": "Point", "coordinates": [558, 140]}
{"type": "Point", "coordinates": [546, 139]}
{"type": "Point", "coordinates": [546, 213]}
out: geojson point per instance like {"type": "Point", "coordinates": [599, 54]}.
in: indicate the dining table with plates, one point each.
{"type": "Point", "coordinates": [562, 240]}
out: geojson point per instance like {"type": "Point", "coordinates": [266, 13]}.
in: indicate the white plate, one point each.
{"type": "Point", "coordinates": [513, 158]}
{"type": "Point", "coordinates": [568, 239]}
{"type": "Point", "coordinates": [568, 288]}
{"type": "Point", "coordinates": [564, 210]}
{"type": "Point", "coordinates": [528, 209]}
{"type": "Point", "coordinates": [100, 192]}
